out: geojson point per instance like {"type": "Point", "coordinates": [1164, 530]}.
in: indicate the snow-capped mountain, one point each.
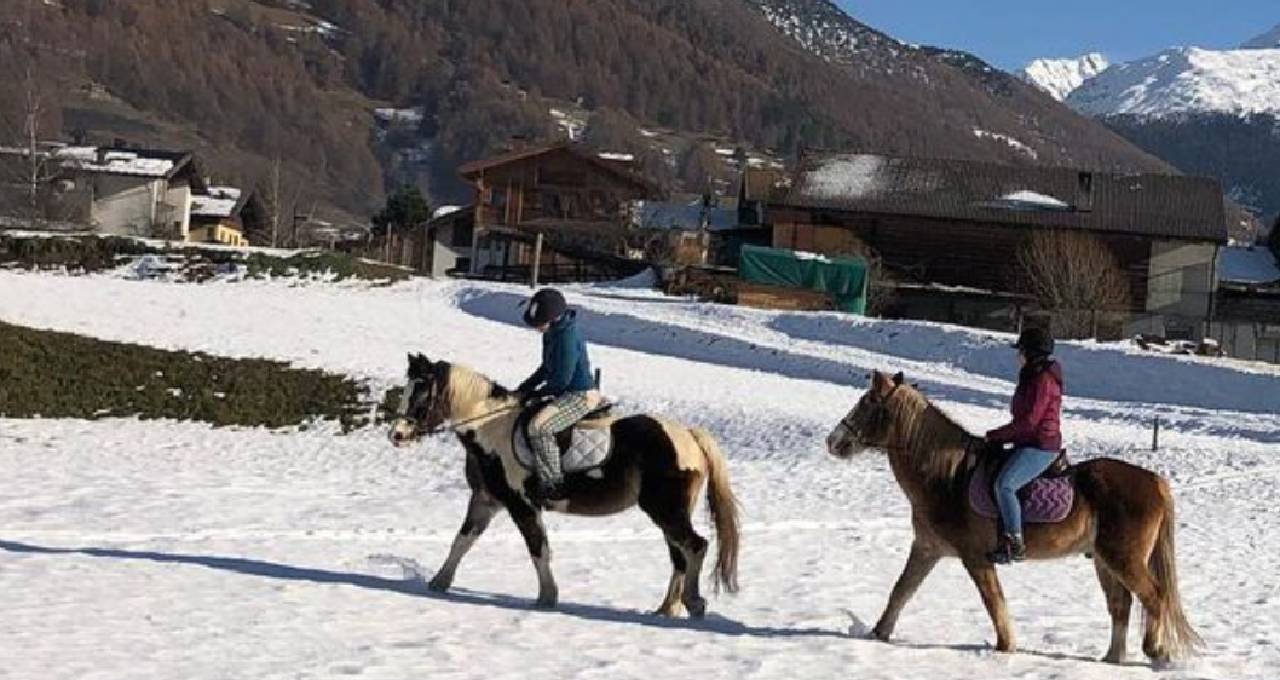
{"type": "Point", "coordinates": [1267, 41]}
{"type": "Point", "coordinates": [1185, 80]}
{"type": "Point", "coordinates": [1061, 77]}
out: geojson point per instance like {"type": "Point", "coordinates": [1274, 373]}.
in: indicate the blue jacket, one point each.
{"type": "Point", "coordinates": [565, 366]}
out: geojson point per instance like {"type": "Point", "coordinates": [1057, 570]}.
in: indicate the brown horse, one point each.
{"type": "Point", "coordinates": [1122, 515]}
{"type": "Point", "coordinates": [656, 464]}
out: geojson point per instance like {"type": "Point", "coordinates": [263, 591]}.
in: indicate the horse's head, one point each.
{"type": "Point", "coordinates": [424, 402]}
{"type": "Point", "coordinates": [868, 425]}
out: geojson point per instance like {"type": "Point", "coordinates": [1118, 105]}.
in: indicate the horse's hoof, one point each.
{"type": "Point", "coordinates": [547, 601]}
{"type": "Point", "coordinates": [696, 608]}
{"type": "Point", "coordinates": [1006, 647]}
{"type": "Point", "coordinates": [667, 612]}
{"type": "Point", "coordinates": [881, 635]}
{"type": "Point", "coordinates": [1112, 658]}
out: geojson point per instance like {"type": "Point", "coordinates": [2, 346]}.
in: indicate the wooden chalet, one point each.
{"type": "Point", "coordinates": [575, 199]}
{"type": "Point", "coordinates": [227, 215]}
{"type": "Point", "coordinates": [950, 231]}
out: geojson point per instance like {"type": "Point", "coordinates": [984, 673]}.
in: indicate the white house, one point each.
{"type": "Point", "coordinates": [134, 192]}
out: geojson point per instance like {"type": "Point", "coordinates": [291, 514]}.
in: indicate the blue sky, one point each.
{"type": "Point", "coordinates": [1009, 33]}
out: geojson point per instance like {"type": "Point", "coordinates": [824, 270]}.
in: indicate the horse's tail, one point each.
{"type": "Point", "coordinates": [724, 512]}
{"type": "Point", "coordinates": [1178, 637]}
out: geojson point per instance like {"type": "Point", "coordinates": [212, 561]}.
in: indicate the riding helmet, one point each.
{"type": "Point", "coordinates": [1035, 342]}
{"type": "Point", "coordinates": [545, 306]}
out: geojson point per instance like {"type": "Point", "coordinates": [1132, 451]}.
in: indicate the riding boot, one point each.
{"type": "Point", "coordinates": [1011, 549]}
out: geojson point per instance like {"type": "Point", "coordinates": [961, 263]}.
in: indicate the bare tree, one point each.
{"type": "Point", "coordinates": [29, 117]}
{"type": "Point", "coordinates": [1074, 277]}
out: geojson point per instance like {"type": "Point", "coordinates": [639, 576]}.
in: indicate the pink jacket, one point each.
{"type": "Point", "coordinates": [1036, 409]}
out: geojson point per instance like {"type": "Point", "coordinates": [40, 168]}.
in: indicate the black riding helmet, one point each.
{"type": "Point", "coordinates": [1035, 342]}
{"type": "Point", "coordinates": [544, 307]}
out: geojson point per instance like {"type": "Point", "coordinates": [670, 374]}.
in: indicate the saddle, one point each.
{"type": "Point", "coordinates": [1047, 499]}
{"type": "Point", "coordinates": [584, 447]}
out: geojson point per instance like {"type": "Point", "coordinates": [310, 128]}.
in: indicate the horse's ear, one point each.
{"type": "Point", "coordinates": [879, 382]}
{"type": "Point", "coordinates": [899, 378]}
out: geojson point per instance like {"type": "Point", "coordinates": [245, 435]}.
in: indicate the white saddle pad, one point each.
{"type": "Point", "coordinates": [590, 449]}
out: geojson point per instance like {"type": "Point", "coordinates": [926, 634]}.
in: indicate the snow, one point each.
{"type": "Point", "coordinates": [114, 161]}
{"type": "Point", "coordinates": [166, 549]}
{"type": "Point", "coordinates": [445, 210]}
{"type": "Point", "coordinates": [1032, 199]}
{"type": "Point", "coordinates": [1186, 80]}
{"type": "Point", "coordinates": [220, 202]}
{"type": "Point", "coordinates": [406, 116]}
{"type": "Point", "coordinates": [1013, 143]}
{"type": "Point", "coordinates": [574, 126]}
{"type": "Point", "coordinates": [1251, 264]}
{"type": "Point", "coordinates": [851, 177]}
{"type": "Point", "coordinates": [620, 157]}
{"type": "Point", "coordinates": [1061, 77]}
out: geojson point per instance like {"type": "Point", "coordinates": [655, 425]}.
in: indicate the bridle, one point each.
{"type": "Point", "coordinates": [445, 423]}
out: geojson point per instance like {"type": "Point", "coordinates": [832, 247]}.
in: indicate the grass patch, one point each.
{"type": "Point", "coordinates": [92, 253]}
{"type": "Point", "coordinates": [61, 375]}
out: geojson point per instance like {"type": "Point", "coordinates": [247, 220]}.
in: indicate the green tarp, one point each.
{"type": "Point", "coordinates": [844, 277]}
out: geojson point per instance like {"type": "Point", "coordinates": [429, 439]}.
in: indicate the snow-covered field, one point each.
{"type": "Point", "coordinates": [172, 550]}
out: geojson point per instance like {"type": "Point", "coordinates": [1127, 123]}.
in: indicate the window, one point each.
{"type": "Point", "coordinates": [497, 197]}
{"type": "Point", "coordinates": [462, 236]}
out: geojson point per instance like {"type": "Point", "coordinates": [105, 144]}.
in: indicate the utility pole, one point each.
{"type": "Point", "coordinates": [537, 260]}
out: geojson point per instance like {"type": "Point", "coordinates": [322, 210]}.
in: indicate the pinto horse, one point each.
{"type": "Point", "coordinates": [1122, 515]}
{"type": "Point", "coordinates": [656, 464]}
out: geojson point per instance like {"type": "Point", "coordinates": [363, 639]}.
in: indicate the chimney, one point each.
{"type": "Point", "coordinates": [1084, 192]}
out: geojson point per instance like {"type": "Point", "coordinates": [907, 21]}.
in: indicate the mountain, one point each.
{"type": "Point", "coordinates": [1208, 112]}
{"type": "Point", "coordinates": [1266, 41]}
{"type": "Point", "coordinates": [1185, 80]}
{"type": "Point", "coordinates": [248, 83]}
{"type": "Point", "coordinates": [1061, 77]}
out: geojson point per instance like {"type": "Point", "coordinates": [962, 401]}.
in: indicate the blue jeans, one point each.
{"type": "Point", "coordinates": [1025, 464]}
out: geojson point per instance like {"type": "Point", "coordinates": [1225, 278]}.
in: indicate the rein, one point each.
{"type": "Point", "coordinates": [454, 426]}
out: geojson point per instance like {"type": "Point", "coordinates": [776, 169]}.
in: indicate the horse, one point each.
{"type": "Point", "coordinates": [1122, 515]}
{"type": "Point", "coordinates": [656, 464]}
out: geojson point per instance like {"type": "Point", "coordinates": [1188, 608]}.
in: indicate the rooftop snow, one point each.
{"type": "Point", "coordinates": [114, 162]}
{"type": "Point", "coordinates": [1032, 199]}
{"type": "Point", "coordinates": [445, 210]}
{"type": "Point", "coordinates": [1253, 264]}
{"type": "Point", "coordinates": [611, 156]}
{"type": "Point", "coordinates": [854, 177]}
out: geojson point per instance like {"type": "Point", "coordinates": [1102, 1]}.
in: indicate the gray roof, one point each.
{"type": "Point", "coordinates": [1170, 206]}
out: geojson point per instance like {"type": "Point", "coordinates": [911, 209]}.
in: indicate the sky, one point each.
{"type": "Point", "coordinates": [1009, 33]}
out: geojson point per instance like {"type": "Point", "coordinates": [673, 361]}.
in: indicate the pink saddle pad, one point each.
{"type": "Point", "coordinates": [1044, 501]}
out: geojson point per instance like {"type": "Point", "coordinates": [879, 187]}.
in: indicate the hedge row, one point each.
{"type": "Point", "coordinates": [91, 253]}
{"type": "Point", "coordinates": [61, 375]}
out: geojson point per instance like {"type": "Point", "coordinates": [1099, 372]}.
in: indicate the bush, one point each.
{"type": "Point", "coordinates": [61, 375]}
{"type": "Point", "coordinates": [89, 254]}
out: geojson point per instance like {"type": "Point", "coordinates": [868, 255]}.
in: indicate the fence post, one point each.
{"type": "Point", "coordinates": [1155, 435]}
{"type": "Point", "coordinates": [597, 378]}
{"type": "Point", "coordinates": [537, 260]}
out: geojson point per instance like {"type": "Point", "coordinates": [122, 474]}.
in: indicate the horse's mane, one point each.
{"type": "Point", "coordinates": [467, 387]}
{"type": "Point", "coordinates": [937, 444]}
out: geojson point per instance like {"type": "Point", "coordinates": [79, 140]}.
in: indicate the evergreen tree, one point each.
{"type": "Point", "coordinates": [405, 209]}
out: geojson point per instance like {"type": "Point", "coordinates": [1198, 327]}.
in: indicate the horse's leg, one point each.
{"type": "Point", "coordinates": [480, 511]}
{"type": "Point", "coordinates": [921, 561]}
{"type": "Point", "coordinates": [1119, 604]}
{"type": "Point", "coordinates": [984, 577]}
{"type": "Point", "coordinates": [1136, 577]}
{"type": "Point", "coordinates": [529, 521]}
{"type": "Point", "coordinates": [666, 501]}
{"type": "Point", "coordinates": [675, 588]}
